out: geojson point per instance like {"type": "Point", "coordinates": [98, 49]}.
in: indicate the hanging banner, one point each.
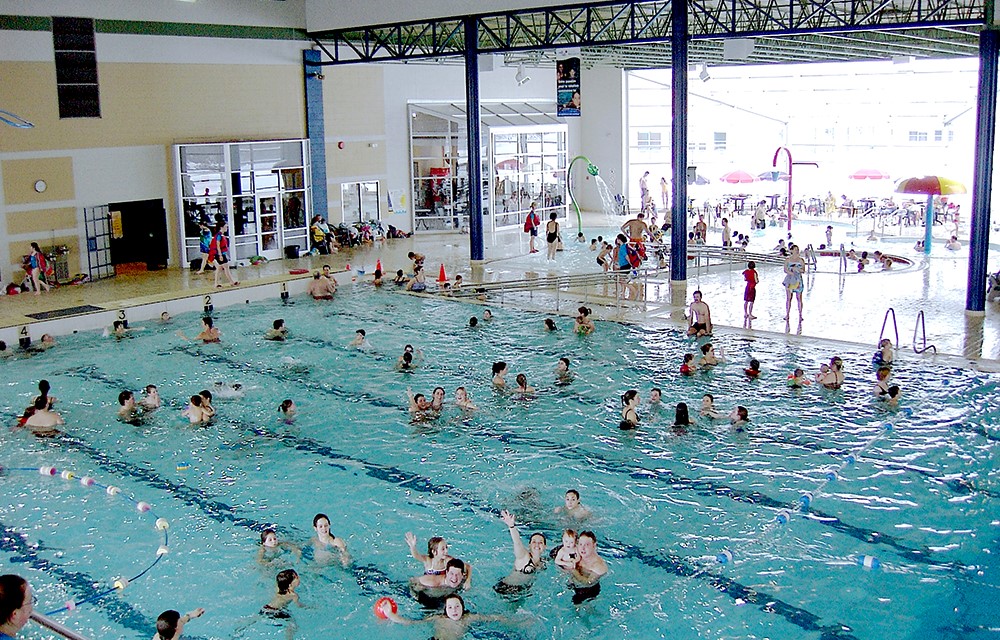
{"type": "Point", "coordinates": [568, 87]}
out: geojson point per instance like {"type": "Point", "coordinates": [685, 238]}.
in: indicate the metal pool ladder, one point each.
{"type": "Point", "coordinates": [885, 321]}
{"type": "Point", "coordinates": [923, 335]}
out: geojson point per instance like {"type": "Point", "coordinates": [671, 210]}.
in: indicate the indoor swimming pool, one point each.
{"type": "Point", "coordinates": [830, 516]}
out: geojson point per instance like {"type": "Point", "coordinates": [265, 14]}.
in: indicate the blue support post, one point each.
{"type": "Point", "coordinates": [316, 132]}
{"type": "Point", "coordinates": [678, 139]}
{"type": "Point", "coordinates": [472, 124]}
{"type": "Point", "coordinates": [928, 224]}
{"type": "Point", "coordinates": [982, 178]}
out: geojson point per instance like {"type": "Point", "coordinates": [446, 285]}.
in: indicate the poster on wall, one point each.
{"type": "Point", "coordinates": [568, 87]}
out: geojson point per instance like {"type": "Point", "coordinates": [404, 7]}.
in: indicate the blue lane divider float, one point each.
{"type": "Point", "coordinates": [784, 516]}
{"type": "Point", "coordinates": [121, 582]}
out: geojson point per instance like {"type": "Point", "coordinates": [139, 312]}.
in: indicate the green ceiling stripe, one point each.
{"type": "Point", "coordinates": [139, 27]}
{"type": "Point", "coordinates": [25, 23]}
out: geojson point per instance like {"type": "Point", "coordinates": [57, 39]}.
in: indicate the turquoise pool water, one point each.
{"type": "Point", "coordinates": [921, 497]}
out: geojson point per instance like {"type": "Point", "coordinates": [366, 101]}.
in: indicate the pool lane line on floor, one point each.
{"type": "Point", "coordinates": [408, 480]}
{"type": "Point", "coordinates": [703, 487]}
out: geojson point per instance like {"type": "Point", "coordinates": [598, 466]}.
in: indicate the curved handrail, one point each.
{"type": "Point", "coordinates": [895, 327]}
{"type": "Point", "coordinates": [56, 627]}
{"type": "Point", "coordinates": [592, 169]}
{"type": "Point", "coordinates": [923, 332]}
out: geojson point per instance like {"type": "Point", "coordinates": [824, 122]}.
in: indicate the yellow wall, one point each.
{"type": "Point", "coordinates": [41, 221]}
{"type": "Point", "coordinates": [353, 101]}
{"type": "Point", "coordinates": [355, 159]}
{"type": "Point", "coordinates": [19, 177]}
{"type": "Point", "coordinates": [143, 104]}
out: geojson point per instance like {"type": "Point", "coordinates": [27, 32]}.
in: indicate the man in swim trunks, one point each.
{"type": "Point", "coordinates": [699, 318]}
{"type": "Point", "coordinates": [321, 288]}
{"type": "Point", "coordinates": [585, 578]}
{"type": "Point", "coordinates": [636, 229]}
{"type": "Point", "coordinates": [432, 589]}
{"type": "Point", "coordinates": [43, 421]}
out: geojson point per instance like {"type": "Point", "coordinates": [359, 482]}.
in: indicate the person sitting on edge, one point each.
{"type": "Point", "coordinates": [699, 317]}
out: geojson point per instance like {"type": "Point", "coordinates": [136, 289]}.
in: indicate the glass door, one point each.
{"type": "Point", "coordinates": [270, 247]}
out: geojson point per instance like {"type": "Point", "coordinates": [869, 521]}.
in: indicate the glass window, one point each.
{"type": "Point", "coordinates": [292, 210]}
{"type": "Point", "coordinates": [719, 138]}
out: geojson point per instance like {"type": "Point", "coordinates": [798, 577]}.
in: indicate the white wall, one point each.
{"type": "Point", "coordinates": [602, 133]}
{"type": "Point", "coordinates": [406, 83]}
{"type": "Point", "coordinates": [262, 13]}
{"type": "Point", "coordinates": [324, 14]}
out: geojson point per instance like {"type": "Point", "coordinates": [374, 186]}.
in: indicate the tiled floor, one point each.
{"type": "Point", "coordinates": [841, 307]}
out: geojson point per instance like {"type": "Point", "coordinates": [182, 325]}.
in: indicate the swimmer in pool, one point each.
{"type": "Point", "coordinates": [437, 556]}
{"type": "Point", "coordinates": [286, 582]}
{"type": "Point", "coordinates": [630, 417]}
{"type": "Point", "coordinates": [360, 341]}
{"type": "Point", "coordinates": [419, 405]}
{"type": "Point", "coordinates": [170, 624]}
{"type": "Point", "coordinates": [499, 371]}
{"type": "Point", "coordinates": [271, 552]}
{"type": "Point", "coordinates": [287, 409]}
{"type": "Point", "coordinates": [437, 399]}
{"type": "Point", "coordinates": [655, 398]}
{"type": "Point", "coordinates": [410, 359]}
{"type": "Point", "coordinates": [567, 557]}
{"type": "Point", "coordinates": [206, 399]}
{"type": "Point", "coordinates": [708, 357]}
{"type": "Point", "coordinates": [225, 391]}
{"type": "Point", "coordinates": [452, 625]}
{"type": "Point", "coordinates": [523, 387]}
{"type": "Point", "coordinates": [682, 419]}
{"type": "Point", "coordinates": [43, 421]}
{"type": "Point", "coordinates": [708, 407]}
{"type": "Point", "coordinates": [129, 412]}
{"type": "Point", "coordinates": [585, 577]}
{"type": "Point", "coordinates": [583, 325]}
{"type": "Point", "coordinates": [550, 325]}
{"type": "Point", "coordinates": [563, 375]}
{"type": "Point", "coordinates": [326, 546]}
{"type": "Point", "coordinates": [893, 394]}
{"type": "Point", "coordinates": [739, 418]}
{"type": "Point", "coordinates": [277, 332]}
{"type": "Point", "coordinates": [321, 288]}
{"type": "Point", "coordinates": [881, 388]}
{"type": "Point", "coordinates": [151, 399]}
{"type": "Point", "coordinates": [528, 561]}
{"type": "Point", "coordinates": [462, 400]}
{"type": "Point", "coordinates": [195, 411]}
{"type": "Point", "coordinates": [823, 370]}
{"type": "Point", "coordinates": [798, 379]}
{"type": "Point", "coordinates": [431, 589]}
{"type": "Point", "coordinates": [209, 333]}
{"type": "Point", "coordinates": [834, 378]}
{"type": "Point", "coordinates": [572, 507]}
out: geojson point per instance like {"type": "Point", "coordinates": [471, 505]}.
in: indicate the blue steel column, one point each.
{"type": "Point", "coordinates": [472, 124]}
{"type": "Point", "coordinates": [982, 179]}
{"type": "Point", "coordinates": [316, 132]}
{"type": "Point", "coordinates": [678, 139]}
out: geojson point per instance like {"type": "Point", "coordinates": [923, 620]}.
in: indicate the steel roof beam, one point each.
{"type": "Point", "coordinates": [630, 22]}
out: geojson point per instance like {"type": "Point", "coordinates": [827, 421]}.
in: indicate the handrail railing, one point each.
{"type": "Point", "coordinates": [895, 328]}
{"type": "Point", "coordinates": [56, 627]}
{"type": "Point", "coordinates": [842, 263]}
{"type": "Point", "coordinates": [923, 335]}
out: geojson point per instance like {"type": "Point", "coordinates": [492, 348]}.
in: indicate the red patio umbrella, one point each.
{"type": "Point", "coordinates": [869, 174]}
{"type": "Point", "coordinates": [738, 177]}
{"type": "Point", "coordinates": [930, 186]}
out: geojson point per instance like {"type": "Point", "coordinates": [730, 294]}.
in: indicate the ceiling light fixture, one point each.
{"type": "Point", "coordinates": [521, 77]}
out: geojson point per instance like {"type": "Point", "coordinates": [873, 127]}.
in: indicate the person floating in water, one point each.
{"type": "Point", "coordinates": [585, 578]}
{"type": "Point", "coordinates": [452, 625]}
{"type": "Point", "coordinates": [326, 546]}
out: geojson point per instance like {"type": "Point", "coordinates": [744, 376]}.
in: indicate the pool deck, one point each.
{"type": "Point", "coordinates": [848, 308]}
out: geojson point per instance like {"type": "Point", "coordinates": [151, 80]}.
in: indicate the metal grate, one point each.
{"type": "Point", "coordinates": [98, 223]}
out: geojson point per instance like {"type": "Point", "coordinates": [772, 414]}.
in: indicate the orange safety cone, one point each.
{"type": "Point", "coordinates": [441, 276]}
{"type": "Point", "coordinates": [378, 265]}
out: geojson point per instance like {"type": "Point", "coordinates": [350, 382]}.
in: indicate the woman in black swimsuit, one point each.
{"type": "Point", "coordinates": [552, 236]}
{"type": "Point", "coordinates": [527, 560]}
